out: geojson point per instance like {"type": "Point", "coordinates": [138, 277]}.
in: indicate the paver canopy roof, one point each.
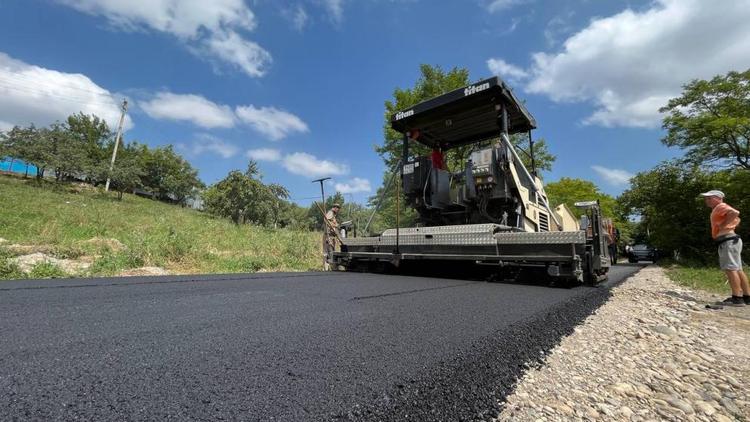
{"type": "Point", "coordinates": [465, 115]}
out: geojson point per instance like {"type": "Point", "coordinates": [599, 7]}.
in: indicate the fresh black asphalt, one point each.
{"type": "Point", "coordinates": [314, 346]}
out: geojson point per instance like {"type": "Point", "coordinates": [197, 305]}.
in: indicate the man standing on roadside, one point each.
{"type": "Point", "coordinates": [612, 235]}
{"type": "Point", "coordinates": [724, 219]}
{"type": "Point", "coordinates": [331, 226]}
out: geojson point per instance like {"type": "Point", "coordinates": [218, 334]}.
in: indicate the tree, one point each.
{"type": "Point", "coordinates": [53, 147]}
{"type": "Point", "coordinates": [385, 202]}
{"type": "Point", "coordinates": [278, 196]}
{"type": "Point", "coordinates": [167, 175]}
{"type": "Point", "coordinates": [127, 172]}
{"type": "Point", "coordinates": [711, 121]}
{"type": "Point", "coordinates": [433, 81]}
{"type": "Point", "coordinates": [31, 145]}
{"type": "Point", "coordinates": [231, 197]}
{"type": "Point", "coordinates": [95, 137]}
{"type": "Point", "coordinates": [126, 175]}
{"type": "Point", "coordinates": [294, 216]}
{"type": "Point", "coordinates": [66, 153]}
{"type": "Point", "coordinates": [181, 181]}
{"type": "Point", "coordinates": [543, 158]}
{"type": "Point", "coordinates": [568, 191]}
{"type": "Point", "coordinates": [81, 149]}
{"type": "Point", "coordinates": [244, 198]}
{"type": "Point", "coordinates": [71, 149]}
{"type": "Point", "coordinates": [671, 213]}
{"type": "Point", "coordinates": [8, 146]}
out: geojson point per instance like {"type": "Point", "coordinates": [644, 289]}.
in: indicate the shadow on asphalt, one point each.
{"type": "Point", "coordinates": [474, 272]}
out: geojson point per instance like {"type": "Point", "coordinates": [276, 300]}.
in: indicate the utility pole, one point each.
{"type": "Point", "coordinates": [117, 142]}
{"type": "Point", "coordinates": [325, 226]}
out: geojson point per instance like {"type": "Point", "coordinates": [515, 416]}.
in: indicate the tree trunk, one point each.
{"type": "Point", "coordinates": [10, 169]}
{"type": "Point", "coordinates": [26, 175]}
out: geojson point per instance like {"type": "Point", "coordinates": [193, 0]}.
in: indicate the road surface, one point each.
{"type": "Point", "coordinates": [313, 346]}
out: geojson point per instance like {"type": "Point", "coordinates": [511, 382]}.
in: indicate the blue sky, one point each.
{"type": "Point", "coordinates": [300, 84]}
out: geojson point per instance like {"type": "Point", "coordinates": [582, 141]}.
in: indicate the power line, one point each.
{"type": "Point", "coordinates": [303, 199]}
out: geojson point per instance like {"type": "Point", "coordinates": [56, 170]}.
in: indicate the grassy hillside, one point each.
{"type": "Point", "coordinates": [82, 231]}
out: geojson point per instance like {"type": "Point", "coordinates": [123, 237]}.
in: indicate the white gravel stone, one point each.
{"type": "Point", "coordinates": [651, 353]}
{"type": "Point", "coordinates": [26, 263]}
{"type": "Point", "coordinates": [682, 405]}
{"type": "Point", "coordinates": [704, 408]}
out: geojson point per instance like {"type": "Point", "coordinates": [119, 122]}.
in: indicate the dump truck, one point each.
{"type": "Point", "coordinates": [489, 210]}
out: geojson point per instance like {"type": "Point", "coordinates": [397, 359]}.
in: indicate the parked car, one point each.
{"type": "Point", "coordinates": [642, 252]}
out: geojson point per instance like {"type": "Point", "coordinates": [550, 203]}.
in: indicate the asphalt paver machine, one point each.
{"type": "Point", "coordinates": [491, 211]}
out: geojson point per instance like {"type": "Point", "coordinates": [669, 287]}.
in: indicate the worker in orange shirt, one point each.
{"type": "Point", "coordinates": [724, 219]}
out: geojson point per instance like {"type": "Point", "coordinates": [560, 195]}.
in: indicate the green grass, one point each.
{"type": "Point", "coordinates": [47, 270]}
{"type": "Point", "coordinates": [62, 220]}
{"type": "Point", "coordinates": [8, 270]}
{"type": "Point", "coordinates": [696, 276]}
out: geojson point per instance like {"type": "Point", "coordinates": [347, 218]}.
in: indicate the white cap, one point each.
{"type": "Point", "coordinates": [716, 193]}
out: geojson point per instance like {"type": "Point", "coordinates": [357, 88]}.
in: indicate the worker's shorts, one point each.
{"type": "Point", "coordinates": [730, 255]}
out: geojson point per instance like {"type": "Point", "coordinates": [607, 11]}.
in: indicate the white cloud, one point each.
{"type": "Point", "coordinates": [274, 123]}
{"type": "Point", "coordinates": [33, 94]}
{"type": "Point", "coordinates": [298, 16]}
{"type": "Point", "coordinates": [183, 18]}
{"type": "Point", "coordinates": [264, 154]}
{"type": "Point", "coordinates": [246, 55]}
{"type": "Point", "coordinates": [270, 121]}
{"type": "Point", "coordinates": [615, 177]}
{"type": "Point", "coordinates": [506, 70]}
{"type": "Point", "coordinates": [630, 64]}
{"type": "Point", "coordinates": [497, 5]}
{"type": "Point", "coordinates": [189, 107]}
{"type": "Point", "coordinates": [209, 143]}
{"type": "Point", "coordinates": [355, 185]}
{"type": "Point", "coordinates": [335, 9]}
{"type": "Point", "coordinates": [211, 27]}
{"type": "Point", "coordinates": [308, 165]}
{"type": "Point", "coordinates": [305, 164]}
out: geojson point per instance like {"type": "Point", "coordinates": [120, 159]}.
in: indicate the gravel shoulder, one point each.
{"type": "Point", "coordinates": [652, 352]}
